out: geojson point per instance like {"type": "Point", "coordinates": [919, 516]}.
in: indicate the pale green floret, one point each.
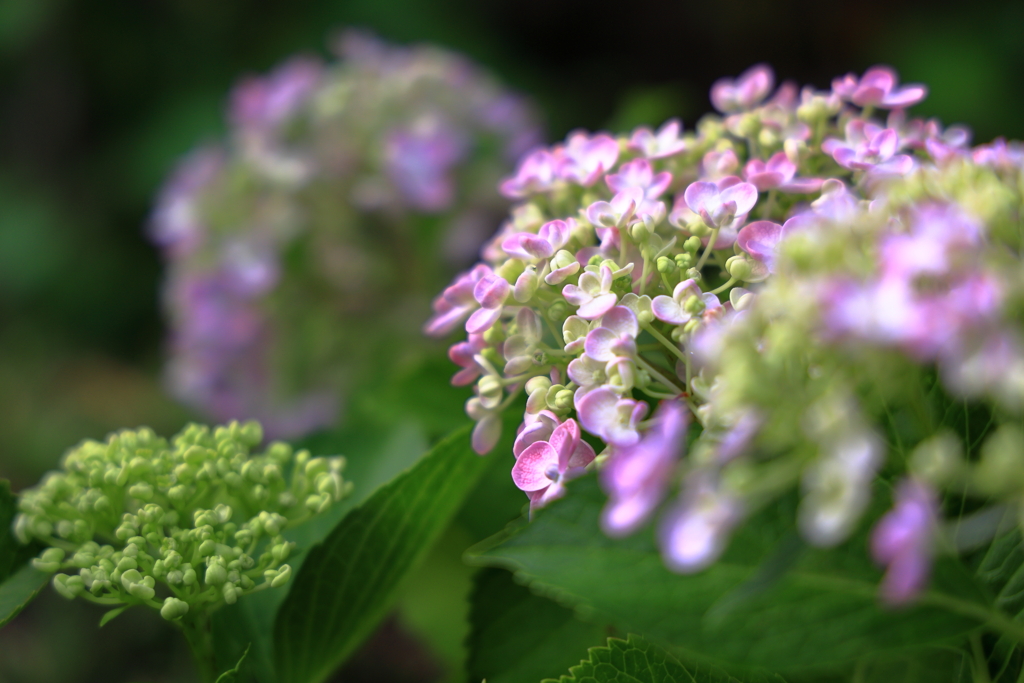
{"type": "Point", "coordinates": [190, 523]}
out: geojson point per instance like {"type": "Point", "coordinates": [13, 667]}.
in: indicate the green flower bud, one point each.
{"type": "Point", "coordinates": [639, 232]}
{"type": "Point", "coordinates": [230, 593]}
{"type": "Point", "coordinates": [127, 563]}
{"type": "Point", "coordinates": [938, 460]}
{"type": "Point", "coordinates": [68, 586]}
{"type": "Point", "coordinates": [49, 561]}
{"type": "Point", "coordinates": [216, 574]}
{"type": "Point", "coordinates": [282, 575]}
{"type": "Point", "coordinates": [739, 268]}
{"type": "Point", "coordinates": [129, 577]}
{"type": "Point", "coordinates": [692, 244]}
{"type": "Point", "coordinates": [1001, 469]}
{"type": "Point", "coordinates": [539, 383]}
{"type": "Point", "coordinates": [695, 275]}
{"type": "Point", "coordinates": [666, 265]}
{"type": "Point", "coordinates": [563, 401]}
{"type": "Point", "coordinates": [526, 285]}
{"type": "Point", "coordinates": [207, 548]}
{"type": "Point", "coordinates": [175, 577]}
{"type": "Point", "coordinates": [694, 305]}
{"type": "Point", "coordinates": [251, 433]}
{"type": "Point", "coordinates": [281, 552]}
{"type": "Point", "coordinates": [144, 590]}
{"type": "Point", "coordinates": [173, 608]}
{"type": "Point", "coordinates": [189, 578]}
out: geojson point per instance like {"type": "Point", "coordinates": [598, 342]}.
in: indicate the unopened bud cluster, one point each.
{"type": "Point", "coordinates": [346, 193]}
{"type": "Point", "coordinates": [626, 272]}
{"type": "Point", "coordinates": [180, 526]}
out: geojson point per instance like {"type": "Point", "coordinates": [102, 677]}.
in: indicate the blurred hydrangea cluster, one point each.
{"type": "Point", "coordinates": [812, 277]}
{"type": "Point", "coordinates": [184, 526]}
{"type": "Point", "coordinates": [346, 192]}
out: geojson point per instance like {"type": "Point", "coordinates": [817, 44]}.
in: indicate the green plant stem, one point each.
{"type": "Point", "coordinates": [665, 342]}
{"type": "Point", "coordinates": [708, 249]}
{"type": "Point", "coordinates": [199, 635]}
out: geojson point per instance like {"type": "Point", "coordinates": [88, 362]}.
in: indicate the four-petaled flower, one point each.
{"type": "Point", "coordinates": [673, 309]}
{"type": "Point", "coordinates": [777, 173]}
{"type": "Point", "coordinates": [537, 173]}
{"type": "Point", "coordinates": [593, 295]}
{"type": "Point", "coordinates": [588, 158]}
{"type": "Point", "coordinates": [543, 467]}
{"type": "Point", "coordinates": [529, 246]}
{"type": "Point", "coordinates": [869, 147]}
{"type": "Point", "coordinates": [615, 338]}
{"type": "Point", "coordinates": [490, 292]}
{"type": "Point", "coordinates": [658, 146]}
{"type": "Point", "coordinates": [722, 202]}
{"type": "Point", "coordinates": [877, 88]}
{"type": "Point", "coordinates": [613, 418]}
{"type": "Point", "coordinates": [456, 302]}
{"type": "Point", "coordinates": [753, 85]}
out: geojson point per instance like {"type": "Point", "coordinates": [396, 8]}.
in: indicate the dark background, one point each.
{"type": "Point", "coordinates": [98, 99]}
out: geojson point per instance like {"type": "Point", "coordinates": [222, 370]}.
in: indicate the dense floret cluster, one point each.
{"type": "Point", "coordinates": [181, 526]}
{"type": "Point", "coordinates": [788, 276]}
{"type": "Point", "coordinates": [346, 193]}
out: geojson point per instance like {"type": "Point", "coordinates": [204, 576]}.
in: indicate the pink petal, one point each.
{"type": "Point", "coordinates": [668, 310]}
{"type": "Point", "coordinates": [564, 441]}
{"type": "Point", "coordinates": [622, 321]}
{"type": "Point", "coordinates": [530, 471]}
{"type": "Point", "coordinates": [906, 96]}
{"type": "Point", "coordinates": [760, 239]}
{"type": "Point", "coordinates": [482, 320]}
{"type": "Point", "coordinates": [597, 306]}
{"type": "Point", "coordinates": [744, 194]}
{"type": "Point", "coordinates": [486, 434]}
{"type": "Point", "coordinates": [600, 344]}
{"type": "Point", "coordinates": [699, 194]}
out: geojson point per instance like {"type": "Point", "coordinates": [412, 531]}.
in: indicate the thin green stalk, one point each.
{"type": "Point", "coordinates": [708, 249]}
{"type": "Point", "coordinates": [199, 635]}
{"type": "Point", "coordinates": [665, 342]}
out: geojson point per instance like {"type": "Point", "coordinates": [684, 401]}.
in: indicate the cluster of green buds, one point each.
{"type": "Point", "coordinates": [184, 525]}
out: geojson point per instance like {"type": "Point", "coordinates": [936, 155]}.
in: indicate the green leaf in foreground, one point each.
{"type": "Point", "coordinates": [373, 458]}
{"type": "Point", "coordinates": [518, 636]}
{"type": "Point", "coordinates": [347, 583]}
{"type": "Point", "coordinates": [20, 583]}
{"type": "Point", "coordinates": [636, 661]}
{"type": "Point", "coordinates": [19, 589]}
{"type": "Point", "coordinates": [822, 613]}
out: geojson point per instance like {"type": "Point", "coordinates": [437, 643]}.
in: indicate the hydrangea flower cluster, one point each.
{"type": "Point", "coordinates": [345, 193]}
{"type": "Point", "coordinates": [182, 526]}
{"type": "Point", "coordinates": [662, 266]}
{"type": "Point", "coordinates": [882, 332]}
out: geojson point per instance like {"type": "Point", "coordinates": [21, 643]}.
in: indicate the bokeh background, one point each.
{"type": "Point", "coordinates": [98, 100]}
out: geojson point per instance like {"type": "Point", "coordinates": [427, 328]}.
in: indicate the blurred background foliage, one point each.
{"type": "Point", "coordinates": [98, 100]}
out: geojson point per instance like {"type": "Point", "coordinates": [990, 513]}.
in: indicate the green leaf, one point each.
{"type": "Point", "coordinates": [230, 675]}
{"type": "Point", "coordinates": [821, 612]}
{"type": "Point", "coordinates": [373, 458]}
{"type": "Point", "coordinates": [637, 661]}
{"type": "Point", "coordinates": [111, 614]}
{"type": "Point", "coordinates": [347, 583]}
{"type": "Point", "coordinates": [20, 583]}
{"type": "Point", "coordinates": [1001, 569]}
{"type": "Point", "coordinates": [19, 589]}
{"type": "Point", "coordinates": [519, 636]}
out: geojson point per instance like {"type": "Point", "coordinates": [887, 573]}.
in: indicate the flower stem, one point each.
{"type": "Point", "coordinates": [708, 249]}
{"type": "Point", "coordinates": [200, 640]}
{"type": "Point", "coordinates": [665, 342]}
